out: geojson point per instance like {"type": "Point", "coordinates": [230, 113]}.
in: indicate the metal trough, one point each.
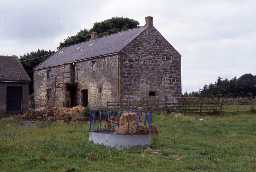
{"type": "Point", "coordinates": [119, 141]}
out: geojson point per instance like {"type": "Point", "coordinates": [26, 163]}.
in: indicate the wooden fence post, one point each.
{"type": "Point", "coordinates": [200, 106]}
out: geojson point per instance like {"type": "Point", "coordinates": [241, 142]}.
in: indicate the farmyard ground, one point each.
{"type": "Point", "coordinates": [186, 143]}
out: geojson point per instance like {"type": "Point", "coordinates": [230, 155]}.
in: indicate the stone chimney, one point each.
{"type": "Point", "coordinates": [93, 35]}
{"type": "Point", "coordinates": [149, 21]}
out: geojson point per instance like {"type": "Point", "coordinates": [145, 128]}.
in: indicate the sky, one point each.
{"type": "Point", "coordinates": [214, 37]}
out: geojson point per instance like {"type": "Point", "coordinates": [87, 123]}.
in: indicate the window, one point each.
{"type": "Point", "coordinates": [152, 93]}
{"type": "Point", "coordinates": [48, 73]}
{"type": "Point", "coordinates": [48, 93]}
{"type": "Point", "coordinates": [93, 65]}
{"type": "Point", "coordinates": [167, 58]}
{"type": "Point", "coordinates": [72, 72]}
{"type": "Point", "coordinates": [84, 97]}
{"type": "Point", "coordinates": [100, 90]}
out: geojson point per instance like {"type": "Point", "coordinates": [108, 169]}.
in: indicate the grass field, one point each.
{"type": "Point", "coordinates": [186, 143]}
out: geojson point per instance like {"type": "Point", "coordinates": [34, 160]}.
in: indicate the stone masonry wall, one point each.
{"type": "Point", "coordinates": [150, 64]}
{"type": "Point", "coordinates": [54, 85]}
{"type": "Point", "coordinates": [100, 78]}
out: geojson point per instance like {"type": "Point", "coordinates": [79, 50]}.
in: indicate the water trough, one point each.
{"type": "Point", "coordinates": [119, 141]}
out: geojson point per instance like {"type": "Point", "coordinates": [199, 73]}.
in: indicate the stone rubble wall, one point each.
{"type": "Point", "coordinates": [149, 64]}
{"type": "Point", "coordinates": [55, 83]}
{"type": "Point", "coordinates": [100, 78]}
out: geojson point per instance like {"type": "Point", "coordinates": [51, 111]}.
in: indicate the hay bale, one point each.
{"type": "Point", "coordinates": [127, 124]}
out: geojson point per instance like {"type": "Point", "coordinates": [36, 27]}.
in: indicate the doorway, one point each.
{"type": "Point", "coordinates": [71, 90]}
{"type": "Point", "coordinates": [84, 97]}
{"type": "Point", "coordinates": [14, 99]}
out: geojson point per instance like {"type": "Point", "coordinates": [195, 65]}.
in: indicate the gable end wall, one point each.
{"type": "Point", "coordinates": [150, 63]}
{"type": "Point", "coordinates": [55, 83]}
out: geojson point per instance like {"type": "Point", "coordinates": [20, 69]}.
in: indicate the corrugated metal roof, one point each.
{"type": "Point", "coordinates": [12, 70]}
{"type": "Point", "coordinates": [101, 46]}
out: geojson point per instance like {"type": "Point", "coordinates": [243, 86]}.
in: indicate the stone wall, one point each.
{"type": "Point", "coordinates": [100, 78]}
{"type": "Point", "coordinates": [40, 87]}
{"type": "Point", "coordinates": [3, 96]}
{"type": "Point", "coordinates": [150, 64]}
{"type": "Point", "coordinates": [49, 85]}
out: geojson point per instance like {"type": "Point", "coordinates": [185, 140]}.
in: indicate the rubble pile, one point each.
{"type": "Point", "coordinates": [55, 114]}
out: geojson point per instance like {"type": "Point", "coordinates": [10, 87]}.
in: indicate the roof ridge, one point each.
{"type": "Point", "coordinates": [12, 70]}
{"type": "Point", "coordinates": [105, 45]}
{"type": "Point", "coordinates": [22, 68]}
{"type": "Point", "coordinates": [104, 36]}
{"type": "Point", "coordinates": [8, 56]}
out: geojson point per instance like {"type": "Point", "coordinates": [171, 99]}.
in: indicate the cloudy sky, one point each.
{"type": "Point", "coordinates": [215, 37]}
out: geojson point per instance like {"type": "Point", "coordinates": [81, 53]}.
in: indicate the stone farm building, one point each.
{"type": "Point", "coordinates": [14, 86]}
{"type": "Point", "coordinates": [131, 65]}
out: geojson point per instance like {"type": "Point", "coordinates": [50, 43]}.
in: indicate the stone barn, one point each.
{"type": "Point", "coordinates": [134, 65]}
{"type": "Point", "coordinates": [14, 86]}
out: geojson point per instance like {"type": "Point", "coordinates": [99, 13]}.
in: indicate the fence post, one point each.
{"type": "Point", "coordinates": [184, 106]}
{"type": "Point", "coordinates": [220, 105]}
{"type": "Point", "coordinates": [200, 106]}
{"type": "Point", "coordinates": [165, 104]}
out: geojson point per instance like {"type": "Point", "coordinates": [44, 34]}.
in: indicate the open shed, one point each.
{"type": "Point", "coordinates": [14, 86]}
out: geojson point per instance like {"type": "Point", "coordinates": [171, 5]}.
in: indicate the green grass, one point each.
{"type": "Point", "coordinates": [186, 143]}
{"type": "Point", "coordinates": [239, 108]}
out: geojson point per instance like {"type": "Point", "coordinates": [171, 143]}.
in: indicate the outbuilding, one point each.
{"type": "Point", "coordinates": [14, 86]}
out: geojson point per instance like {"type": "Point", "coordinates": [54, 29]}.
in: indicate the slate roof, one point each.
{"type": "Point", "coordinates": [93, 48]}
{"type": "Point", "coordinates": [12, 70]}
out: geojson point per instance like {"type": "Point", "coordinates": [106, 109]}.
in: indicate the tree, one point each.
{"type": "Point", "coordinates": [81, 36]}
{"type": "Point", "coordinates": [245, 86]}
{"type": "Point", "coordinates": [31, 60]}
{"type": "Point", "coordinates": [106, 27]}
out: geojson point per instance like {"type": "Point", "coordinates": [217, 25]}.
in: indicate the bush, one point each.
{"type": "Point", "coordinates": [86, 111]}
